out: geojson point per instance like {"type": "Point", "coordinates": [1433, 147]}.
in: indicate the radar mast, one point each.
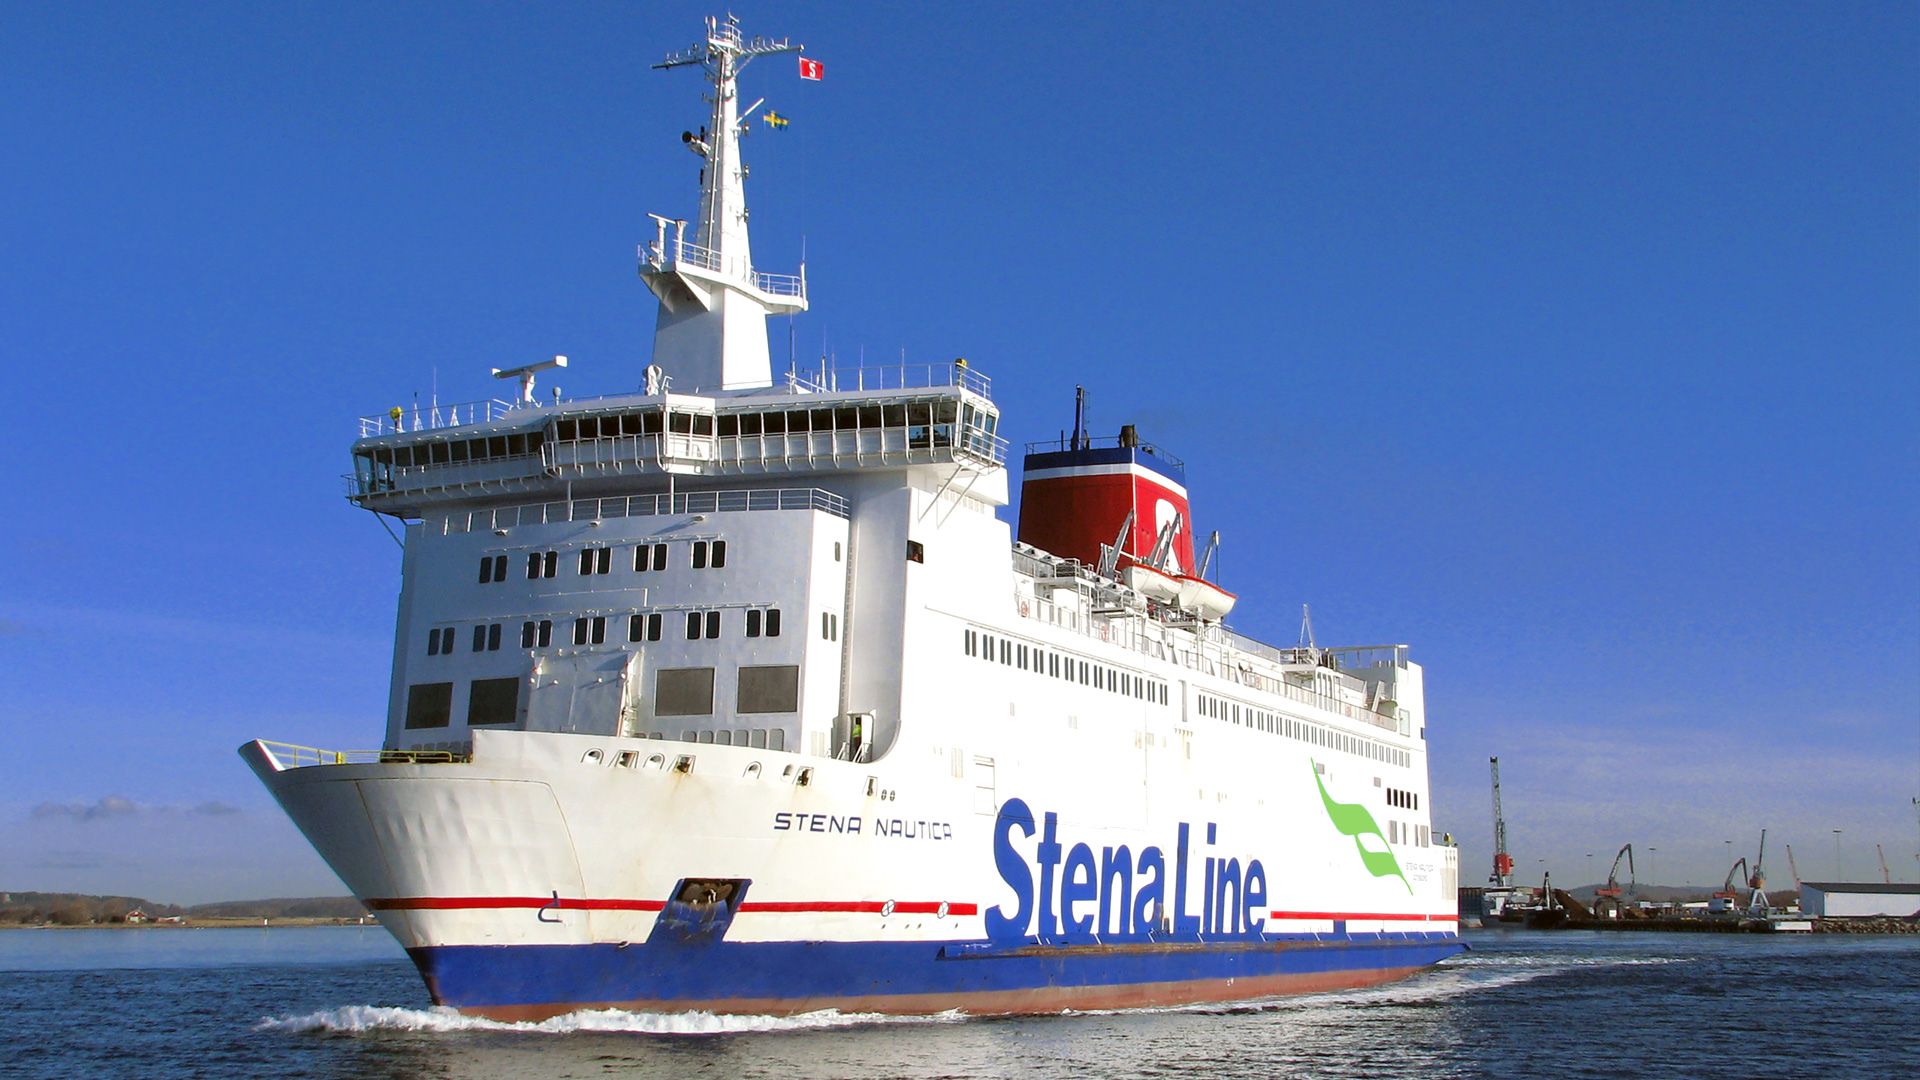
{"type": "Point", "coordinates": [711, 333]}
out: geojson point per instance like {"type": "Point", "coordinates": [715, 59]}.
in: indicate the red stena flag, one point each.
{"type": "Point", "coordinates": [811, 69]}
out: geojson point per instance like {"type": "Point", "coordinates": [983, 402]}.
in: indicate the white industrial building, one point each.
{"type": "Point", "coordinates": [1854, 899]}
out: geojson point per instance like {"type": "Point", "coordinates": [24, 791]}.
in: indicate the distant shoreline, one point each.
{"type": "Point", "coordinates": [199, 924]}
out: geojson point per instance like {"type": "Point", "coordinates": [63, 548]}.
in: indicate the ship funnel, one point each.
{"type": "Point", "coordinates": [1078, 493]}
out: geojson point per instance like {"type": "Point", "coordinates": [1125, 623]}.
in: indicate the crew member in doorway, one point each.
{"type": "Point", "coordinates": [855, 745]}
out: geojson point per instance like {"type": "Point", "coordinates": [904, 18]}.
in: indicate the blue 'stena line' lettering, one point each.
{"type": "Point", "coordinates": [1078, 896]}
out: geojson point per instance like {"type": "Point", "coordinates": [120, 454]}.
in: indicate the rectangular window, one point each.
{"type": "Point", "coordinates": [653, 627]}
{"type": "Point", "coordinates": [479, 638]}
{"type": "Point", "coordinates": [683, 692]}
{"type": "Point", "coordinates": [713, 624]}
{"type": "Point", "coordinates": [916, 551]}
{"type": "Point", "coordinates": [499, 568]}
{"type": "Point", "coordinates": [699, 554]}
{"type": "Point", "coordinates": [825, 627]}
{"type": "Point", "coordinates": [636, 627]}
{"type": "Point", "coordinates": [599, 629]}
{"type": "Point", "coordinates": [486, 569]}
{"type": "Point", "coordinates": [694, 625]}
{"type": "Point", "coordinates": [493, 701]}
{"type": "Point", "coordinates": [595, 560]}
{"type": "Point", "coordinates": [719, 554]}
{"type": "Point", "coordinates": [659, 556]}
{"type": "Point", "coordinates": [754, 618]}
{"type": "Point", "coordinates": [429, 705]}
{"type": "Point", "coordinates": [493, 637]}
{"type": "Point", "coordinates": [773, 622]}
{"type": "Point", "coordinates": [769, 689]}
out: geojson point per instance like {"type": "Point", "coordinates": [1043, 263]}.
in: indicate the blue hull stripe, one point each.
{"type": "Point", "coordinates": [523, 978]}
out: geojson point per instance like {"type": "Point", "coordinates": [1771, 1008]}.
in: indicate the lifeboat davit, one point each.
{"type": "Point", "coordinates": [1204, 598]}
{"type": "Point", "coordinates": [1152, 584]}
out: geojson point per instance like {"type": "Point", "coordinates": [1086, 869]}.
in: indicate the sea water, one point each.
{"type": "Point", "coordinates": [344, 1002]}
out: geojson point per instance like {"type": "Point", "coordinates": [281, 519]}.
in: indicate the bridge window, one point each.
{"type": "Point", "coordinates": [440, 641]}
{"type": "Point", "coordinates": [429, 705]}
{"type": "Point", "coordinates": [493, 701]}
{"type": "Point", "coordinates": [542, 564]}
{"type": "Point", "coordinates": [644, 627]}
{"type": "Point", "coordinates": [486, 637]}
{"type": "Point", "coordinates": [493, 568]}
{"type": "Point", "coordinates": [590, 630]}
{"type": "Point", "coordinates": [683, 692]}
{"type": "Point", "coordinates": [538, 634]}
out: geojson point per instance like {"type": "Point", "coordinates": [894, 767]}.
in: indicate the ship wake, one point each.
{"type": "Point", "coordinates": [364, 1019]}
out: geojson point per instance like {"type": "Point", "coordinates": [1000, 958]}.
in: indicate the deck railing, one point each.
{"type": "Point", "coordinates": [399, 421]}
{"type": "Point", "coordinates": [901, 376]}
{"type": "Point", "coordinates": [294, 756]}
{"type": "Point", "coordinates": [620, 506]}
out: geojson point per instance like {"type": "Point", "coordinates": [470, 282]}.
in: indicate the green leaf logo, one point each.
{"type": "Point", "coordinates": [1353, 820]}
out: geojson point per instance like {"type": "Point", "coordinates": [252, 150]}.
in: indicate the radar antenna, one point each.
{"type": "Point", "coordinates": [525, 374]}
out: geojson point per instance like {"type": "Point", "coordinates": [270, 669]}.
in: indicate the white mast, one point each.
{"type": "Point", "coordinates": [712, 328]}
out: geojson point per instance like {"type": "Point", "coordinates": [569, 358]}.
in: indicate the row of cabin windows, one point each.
{"type": "Point", "coordinates": [1413, 835]}
{"type": "Point", "coordinates": [486, 638]}
{"type": "Point", "coordinates": [437, 452]}
{"type": "Point", "coordinates": [645, 626]}
{"type": "Point", "coordinates": [773, 688]}
{"type": "Point", "coordinates": [1405, 800]}
{"type": "Point", "coordinates": [1273, 723]}
{"type": "Point", "coordinates": [1064, 666]}
{"type": "Point", "coordinates": [705, 554]}
{"type": "Point", "coordinates": [936, 417]}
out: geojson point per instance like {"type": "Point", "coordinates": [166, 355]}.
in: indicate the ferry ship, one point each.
{"type": "Point", "coordinates": [736, 694]}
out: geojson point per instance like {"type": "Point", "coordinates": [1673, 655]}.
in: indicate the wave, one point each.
{"type": "Point", "coordinates": [358, 1019]}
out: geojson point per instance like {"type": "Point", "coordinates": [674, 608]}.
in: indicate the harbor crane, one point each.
{"type": "Point", "coordinates": [1886, 876]}
{"type": "Point", "coordinates": [1757, 902]}
{"type": "Point", "coordinates": [1791, 866]}
{"type": "Point", "coordinates": [1754, 880]}
{"type": "Point", "coordinates": [1612, 887]}
{"type": "Point", "coordinates": [1502, 862]}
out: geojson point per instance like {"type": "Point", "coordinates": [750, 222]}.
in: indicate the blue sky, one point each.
{"type": "Point", "coordinates": [1574, 347]}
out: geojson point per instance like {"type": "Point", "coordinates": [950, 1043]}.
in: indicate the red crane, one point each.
{"type": "Point", "coordinates": [1612, 887]}
{"type": "Point", "coordinates": [1502, 862]}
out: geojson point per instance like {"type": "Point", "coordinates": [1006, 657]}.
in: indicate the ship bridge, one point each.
{"type": "Point", "coordinates": [834, 421]}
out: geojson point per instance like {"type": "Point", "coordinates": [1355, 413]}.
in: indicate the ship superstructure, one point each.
{"type": "Point", "coordinates": [735, 693]}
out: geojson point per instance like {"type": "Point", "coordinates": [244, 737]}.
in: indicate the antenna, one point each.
{"type": "Point", "coordinates": [1306, 626]}
{"type": "Point", "coordinates": [525, 374]}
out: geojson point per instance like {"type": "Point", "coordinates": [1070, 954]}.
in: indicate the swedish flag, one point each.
{"type": "Point", "coordinates": [774, 119]}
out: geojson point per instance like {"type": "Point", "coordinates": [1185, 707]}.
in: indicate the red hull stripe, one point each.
{"type": "Point", "coordinates": [463, 903]}
{"type": "Point", "coordinates": [470, 903]}
{"type": "Point", "coordinates": [1357, 916]}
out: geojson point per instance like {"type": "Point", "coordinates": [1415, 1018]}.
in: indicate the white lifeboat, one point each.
{"type": "Point", "coordinates": [1204, 598]}
{"type": "Point", "coordinates": [1151, 583]}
